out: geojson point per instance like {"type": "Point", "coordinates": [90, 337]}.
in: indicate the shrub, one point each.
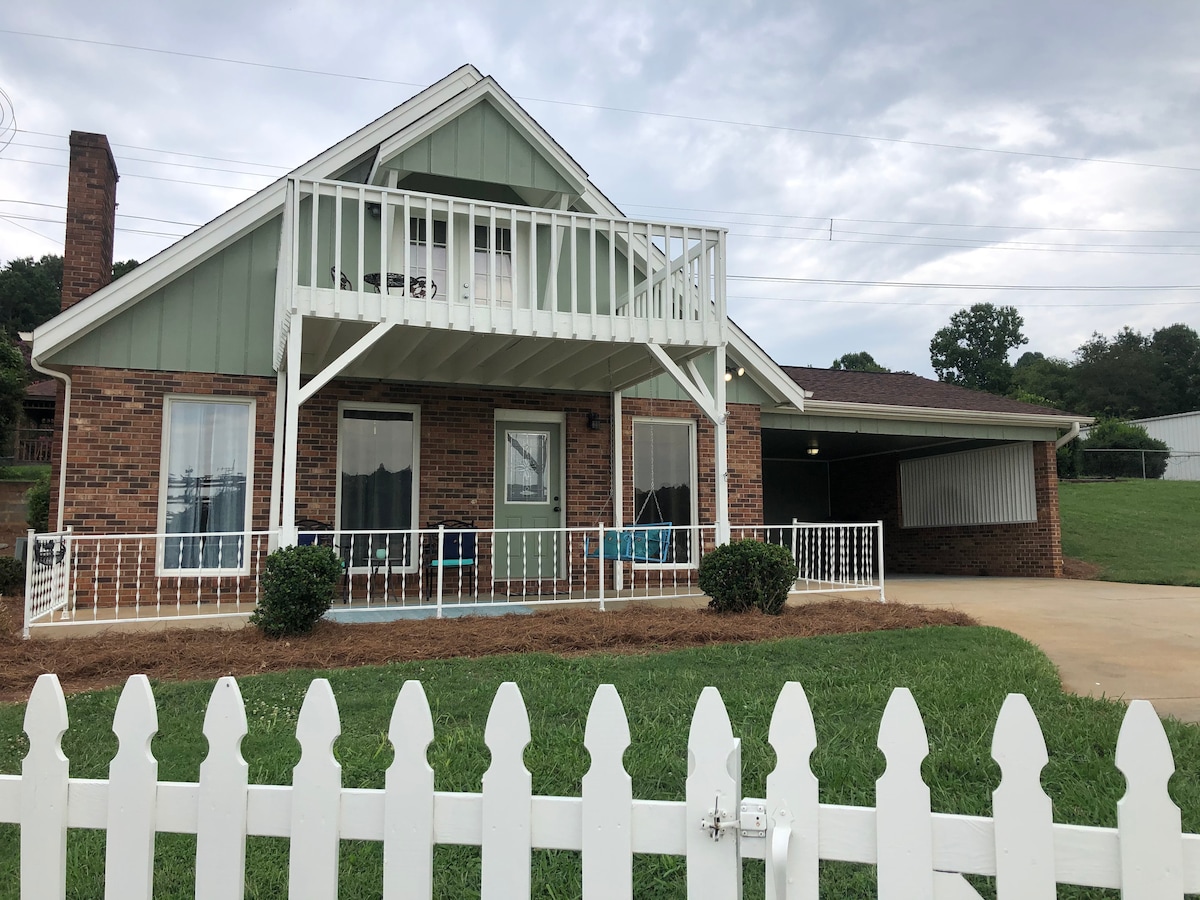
{"type": "Point", "coordinates": [37, 505]}
{"type": "Point", "coordinates": [747, 575]}
{"type": "Point", "coordinates": [297, 589]}
{"type": "Point", "coordinates": [1116, 435]}
{"type": "Point", "coordinates": [12, 575]}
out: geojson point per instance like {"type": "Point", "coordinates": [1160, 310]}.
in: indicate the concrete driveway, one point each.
{"type": "Point", "coordinates": [1126, 641]}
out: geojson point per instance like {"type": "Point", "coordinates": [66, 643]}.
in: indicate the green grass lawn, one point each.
{"type": "Point", "coordinates": [1139, 531]}
{"type": "Point", "coordinates": [959, 677]}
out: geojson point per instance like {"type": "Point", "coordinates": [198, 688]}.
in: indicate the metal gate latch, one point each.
{"type": "Point", "coordinates": [717, 821]}
{"type": "Point", "coordinates": [753, 820]}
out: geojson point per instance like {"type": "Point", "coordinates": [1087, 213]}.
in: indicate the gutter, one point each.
{"type": "Point", "coordinates": [1068, 437]}
{"type": "Point", "coordinates": [62, 459]}
{"type": "Point", "coordinates": [934, 414]}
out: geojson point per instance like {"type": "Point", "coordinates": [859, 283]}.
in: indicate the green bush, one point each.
{"type": "Point", "coordinates": [1116, 435]}
{"type": "Point", "coordinates": [12, 575]}
{"type": "Point", "coordinates": [297, 589]}
{"type": "Point", "coordinates": [37, 505]}
{"type": "Point", "coordinates": [747, 575]}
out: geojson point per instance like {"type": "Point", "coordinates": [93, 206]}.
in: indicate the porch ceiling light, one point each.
{"type": "Point", "coordinates": [813, 449]}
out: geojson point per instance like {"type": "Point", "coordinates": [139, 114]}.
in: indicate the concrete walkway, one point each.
{"type": "Point", "coordinates": [1126, 641]}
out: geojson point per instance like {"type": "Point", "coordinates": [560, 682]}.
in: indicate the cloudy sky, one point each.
{"type": "Point", "coordinates": [859, 153]}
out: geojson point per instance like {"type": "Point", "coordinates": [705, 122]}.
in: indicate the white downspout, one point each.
{"type": "Point", "coordinates": [277, 457]}
{"type": "Point", "coordinates": [66, 431]}
{"type": "Point", "coordinates": [1068, 437]}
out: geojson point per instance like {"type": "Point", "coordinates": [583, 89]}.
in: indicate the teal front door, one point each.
{"type": "Point", "coordinates": [528, 496]}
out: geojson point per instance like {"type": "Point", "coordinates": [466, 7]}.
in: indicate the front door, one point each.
{"type": "Point", "coordinates": [528, 496]}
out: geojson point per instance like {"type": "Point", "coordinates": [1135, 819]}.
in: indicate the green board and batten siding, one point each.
{"type": "Point", "coordinates": [481, 145]}
{"type": "Point", "coordinates": [217, 317]}
{"type": "Point", "coordinates": [740, 389]}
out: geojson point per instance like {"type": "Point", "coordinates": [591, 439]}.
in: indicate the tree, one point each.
{"type": "Point", "coordinates": [12, 387]}
{"type": "Point", "coordinates": [1117, 378]}
{"type": "Point", "coordinates": [1044, 381]}
{"type": "Point", "coordinates": [972, 350]}
{"type": "Point", "coordinates": [31, 291]}
{"type": "Point", "coordinates": [857, 362]}
{"type": "Point", "coordinates": [1176, 359]}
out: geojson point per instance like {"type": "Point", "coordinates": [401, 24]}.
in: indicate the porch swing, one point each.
{"type": "Point", "coordinates": [642, 544]}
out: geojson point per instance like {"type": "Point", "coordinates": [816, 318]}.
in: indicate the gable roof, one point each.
{"type": "Point", "coordinates": [834, 387]}
{"type": "Point", "coordinates": [417, 117]}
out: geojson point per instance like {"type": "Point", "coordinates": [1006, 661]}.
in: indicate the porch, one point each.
{"type": "Point", "coordinates": [113, 581]}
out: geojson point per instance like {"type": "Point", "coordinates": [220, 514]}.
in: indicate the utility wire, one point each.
{"type": "Point", "coordinates": [618, 109]}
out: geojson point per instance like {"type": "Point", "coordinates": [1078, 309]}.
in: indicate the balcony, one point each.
{"type": "Point", "coordinates": [362, 254]}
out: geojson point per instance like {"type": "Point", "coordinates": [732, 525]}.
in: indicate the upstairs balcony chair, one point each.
{"type": "Point", "coordinates": [417, 285]}
{"type": "Point", "coordinates": [458, 552]}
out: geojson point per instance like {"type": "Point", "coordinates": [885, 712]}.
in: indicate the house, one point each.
{"type": "Point", "coordinates": [441, 319]}
{"type": "Point", "coordinates": [1181, 433]}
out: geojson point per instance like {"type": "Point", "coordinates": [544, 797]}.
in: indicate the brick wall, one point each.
{"type": "Point", "coordinates": [869, 489]}
{"type": "Point", "coordinates": [115, 447]}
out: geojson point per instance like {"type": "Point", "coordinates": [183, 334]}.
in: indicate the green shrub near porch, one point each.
{"type": "Point", "coordinates": [748, 574]}
{"type": "Point", "coordinates": [297, 589]}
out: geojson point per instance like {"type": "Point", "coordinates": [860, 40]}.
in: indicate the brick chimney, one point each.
{"type": "Point", "coordinates": [91, 217]}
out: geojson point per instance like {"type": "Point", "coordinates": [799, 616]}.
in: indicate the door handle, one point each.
{"type": "Point", "coordinates": [558, 509]}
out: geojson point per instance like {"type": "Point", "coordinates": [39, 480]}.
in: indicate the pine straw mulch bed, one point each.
{"type": "Point", "coordinates": [86, 663]}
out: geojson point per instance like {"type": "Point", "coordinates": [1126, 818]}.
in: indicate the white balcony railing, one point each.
{"type": "Point", "coordinates": [371, 254]}
{"type": "Point", "coordinates": [79, 578]}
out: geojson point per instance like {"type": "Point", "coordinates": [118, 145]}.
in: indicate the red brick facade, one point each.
{"type": "Point", "coordinates": [116, 438]}
{"type": "Point", "coordinates": [870, 490]}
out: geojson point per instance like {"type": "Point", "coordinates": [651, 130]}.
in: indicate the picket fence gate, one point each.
{"type": "Point", "coordinates": [918, 854]}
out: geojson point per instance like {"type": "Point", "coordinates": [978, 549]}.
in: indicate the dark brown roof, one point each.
{"type": "Point", "coordinates": [904, 389]}
{"type": "Point", "coordinates": [46, 388]}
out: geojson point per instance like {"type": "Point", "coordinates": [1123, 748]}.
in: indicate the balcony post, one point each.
{"type": "Point", "coordinates": [720, 455]}
{"type": "Point", "coordinates": [291, 433]}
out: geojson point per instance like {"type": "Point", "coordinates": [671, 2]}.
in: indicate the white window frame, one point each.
{"type": "Point", "coordinates": [415, 410]}
{"type": "Point", "coordinates": [694, 473]}
{"type": "Point", "coordinates": [164, 469]}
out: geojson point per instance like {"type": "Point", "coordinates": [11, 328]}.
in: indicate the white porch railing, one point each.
{"type": "Point", "coordinates": [916, 852]}
{"type": "Point", "coordinates": [365, 253]}
{"type": "Point", "coordinates": [78, 578]}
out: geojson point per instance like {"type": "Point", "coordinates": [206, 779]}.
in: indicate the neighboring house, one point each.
{"type": "Point", "coordinates": [1181, 433]}
{"type": "Point", "coordinates": [441, 317]}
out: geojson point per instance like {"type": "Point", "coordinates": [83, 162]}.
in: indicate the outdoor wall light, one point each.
{"type": "Point", "coordinates": [730, 372]}
{"type": "Point", "coordinates": [593, 421]}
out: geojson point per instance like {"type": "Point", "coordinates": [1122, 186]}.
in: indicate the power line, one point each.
{"type": "Point", "coordinates": [620, 109]}
{"type": "Point", "coordinates": [241, 162]}
{"type": "Point", "coordinates": [1024, 304]}
{"type": "Point", "coordinates": [782, 279]}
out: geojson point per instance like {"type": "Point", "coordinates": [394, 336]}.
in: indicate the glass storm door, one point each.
{"type": "Point", "coordinates": [528, 496]}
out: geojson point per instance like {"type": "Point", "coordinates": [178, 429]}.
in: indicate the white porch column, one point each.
{"type": "Point", "coordinates": [291, 433]}
{"type": "Point", "coordinates": [618, 476]}
{"type": "Point", "coordinates": [720, 453]}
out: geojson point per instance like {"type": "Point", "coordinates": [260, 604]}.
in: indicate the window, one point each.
{"type": "Point", "coordinates": [664, 480]}
{"type": "Point", "coordinates": [205, 494]}
{"type": "Point", "coordinates": [377, 456]}
{"type": "Point", "coordinates": [527, 467]}
{"type": "Point", "coordinates": [499, 248]}
{"type": "Point", "coordinates": [433, 261]}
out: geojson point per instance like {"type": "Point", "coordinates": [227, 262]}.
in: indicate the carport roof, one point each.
{"type": "Point", "coordinates": [905, 389]}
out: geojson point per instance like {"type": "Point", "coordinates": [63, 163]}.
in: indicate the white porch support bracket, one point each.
{"type": "Point", "coordinates": [297, 395]}
{"type": "Point", "coordinates": [353, 352]}
{"type": "Point", "coordinates": [712, 404]}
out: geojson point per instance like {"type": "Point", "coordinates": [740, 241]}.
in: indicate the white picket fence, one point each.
{"type": "Point", "coordinates": [918, 854]}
